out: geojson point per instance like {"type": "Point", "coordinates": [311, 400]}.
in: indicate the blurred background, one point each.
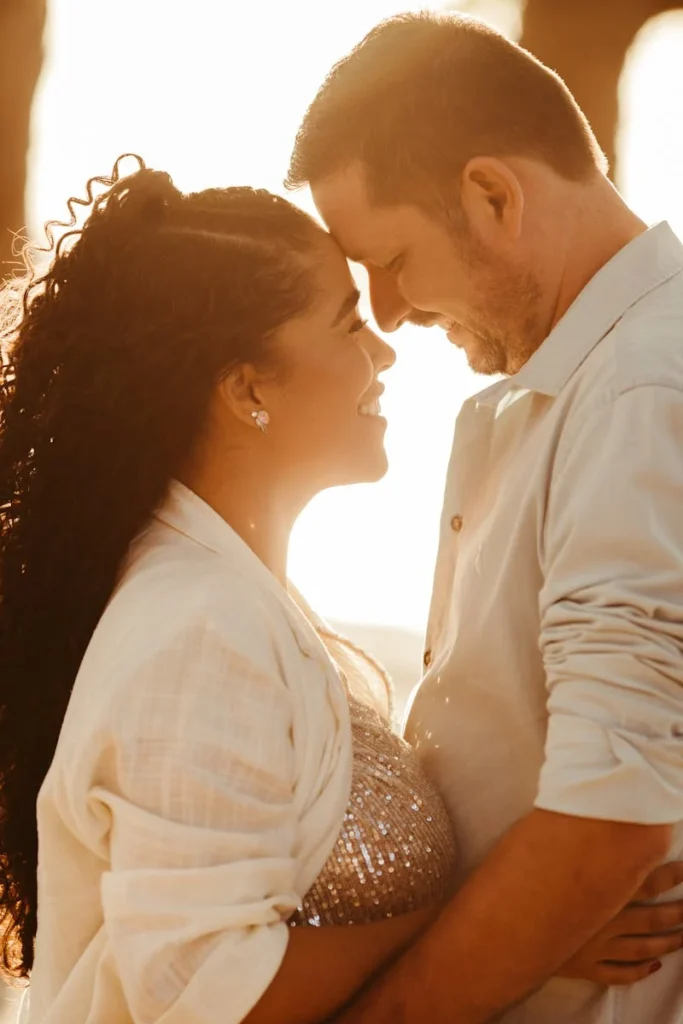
{"type": "Point", "coordinates": [213, 92]}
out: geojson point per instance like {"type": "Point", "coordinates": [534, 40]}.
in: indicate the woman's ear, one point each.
{"type": "Point", "coordinates": [241, 393]}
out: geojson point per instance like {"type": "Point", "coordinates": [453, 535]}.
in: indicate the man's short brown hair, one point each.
{"type": "Point", "coordinates": [423, 94]}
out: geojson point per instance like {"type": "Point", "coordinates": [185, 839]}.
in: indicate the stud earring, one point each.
{"type": "Point", "coordinates": [261, 419]}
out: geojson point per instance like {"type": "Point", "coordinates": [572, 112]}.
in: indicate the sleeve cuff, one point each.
{"type": "Point", "coordinates": [612, 774]}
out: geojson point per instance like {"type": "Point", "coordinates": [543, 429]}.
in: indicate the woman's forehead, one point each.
{"type": "Point", "coordinates": [332, 268]}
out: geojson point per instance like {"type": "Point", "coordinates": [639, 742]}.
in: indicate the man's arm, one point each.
{"type": "Point", "coordinates": [547, 887]}
{"type": "Point", "coordinates": [612, 782]}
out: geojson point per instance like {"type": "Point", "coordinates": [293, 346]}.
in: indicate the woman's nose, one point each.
{"type": "Point", "coordinates": [383, 356]}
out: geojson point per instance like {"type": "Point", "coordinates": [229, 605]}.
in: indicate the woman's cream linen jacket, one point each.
{"type": "Point", "coordinates": [198, 787]}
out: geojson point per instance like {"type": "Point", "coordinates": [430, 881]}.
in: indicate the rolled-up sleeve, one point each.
{"type": "Point", "coordinates": [203, 827]}
{"type": "Point", "coordinates": [612, 614]}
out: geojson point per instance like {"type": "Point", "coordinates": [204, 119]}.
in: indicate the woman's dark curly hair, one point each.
{"type": "Point", "coordinates": [109, 362]}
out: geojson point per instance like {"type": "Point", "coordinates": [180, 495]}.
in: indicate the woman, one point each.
{"type": "Point", "coordinates": [216, 768]}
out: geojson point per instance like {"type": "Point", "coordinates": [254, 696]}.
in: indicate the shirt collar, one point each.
{"type": "Point", "coordinates": [645, 263]}
{"type": "Point", "coordinates": [187, 513]}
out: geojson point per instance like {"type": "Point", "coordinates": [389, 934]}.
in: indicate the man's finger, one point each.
{"type": "Point", "coordinates": [650, 920]}
{"type": "Point", "coordinates": [663, 878]}
{"type": "Point", "coordinates": [644, 947]}
{"type": "Point", "coordinates": [617, 974]}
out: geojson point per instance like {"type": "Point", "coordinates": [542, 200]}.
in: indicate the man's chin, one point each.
{"type": "Point", "coordinates": [458, 336]}
{"type": "Point", "coordinates": [483, 355]}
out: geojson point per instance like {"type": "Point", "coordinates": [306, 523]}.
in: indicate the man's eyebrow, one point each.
{"type": "Point", "coordinates": [349, 304]}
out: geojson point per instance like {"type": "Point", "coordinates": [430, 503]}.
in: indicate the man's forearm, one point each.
{"type": "Point", "coordinates": [547, 887]}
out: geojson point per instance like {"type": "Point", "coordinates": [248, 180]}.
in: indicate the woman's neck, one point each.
{"type": "Point", "coordinates": [260, 510]}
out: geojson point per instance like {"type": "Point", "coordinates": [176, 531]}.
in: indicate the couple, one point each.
{"type": "Point", "coordinates": [228, 828]}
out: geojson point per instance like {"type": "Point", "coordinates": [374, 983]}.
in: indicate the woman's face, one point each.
{"type": "Point", "coordinates": [325, 424]}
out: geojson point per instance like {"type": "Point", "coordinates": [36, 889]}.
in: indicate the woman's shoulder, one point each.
{"type": "Point", "coordinates": [192, 654]}
{"type": "Point", "coordinates": [185, 632]}
{"type": "Point", "coordinates": [178, 601]}
{"type": "Point", "coordinates": [176, 580]}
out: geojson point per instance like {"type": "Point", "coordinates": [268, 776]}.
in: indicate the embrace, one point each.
{"type": "Point", "coordinates": [208, 814]}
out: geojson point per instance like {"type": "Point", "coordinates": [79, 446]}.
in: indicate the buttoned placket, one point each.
{"type": "Point", "coordinates": [467, 469]}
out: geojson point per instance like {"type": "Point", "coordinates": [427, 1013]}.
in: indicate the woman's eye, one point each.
{"type": "Point", "coordinates": [357, 326]}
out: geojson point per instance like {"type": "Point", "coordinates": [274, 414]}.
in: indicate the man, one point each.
{"type": "Point", "coordinates": [462, 174]}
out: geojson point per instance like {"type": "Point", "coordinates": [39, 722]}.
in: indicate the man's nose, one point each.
{"type": "Point", "coordinates": [389, 308]}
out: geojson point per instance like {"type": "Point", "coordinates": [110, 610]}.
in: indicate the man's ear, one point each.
{"type": "Point", "coordinates": [493, 198]}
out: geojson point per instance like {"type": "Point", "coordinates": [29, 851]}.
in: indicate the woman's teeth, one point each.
{"type": "Point", "coordinates": [370, 409]}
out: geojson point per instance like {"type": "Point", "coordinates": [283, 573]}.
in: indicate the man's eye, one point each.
{"type": "Point", "coordinates": [357, 326]}
{"type": "Point", "coordinates": [394, 265]}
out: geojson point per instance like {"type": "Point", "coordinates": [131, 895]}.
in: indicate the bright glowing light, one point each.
{"type": "Point", "coordinates": [651, 142]}
{"type": "Point", "coordinates": [213, 92]}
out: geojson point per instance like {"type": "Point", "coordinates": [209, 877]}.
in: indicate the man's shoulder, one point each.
{"type": "Point", "coordinates": [644, 348]}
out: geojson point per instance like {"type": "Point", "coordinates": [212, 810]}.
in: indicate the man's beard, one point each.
{"type": "Point", "coordinates": [509, 328]}
{"type": "Point", "coordinates": [505, 340]}
{"type": "Point", "coordinates": [499, 350]}
{"type": "Point", "coordinates": [507, 350]}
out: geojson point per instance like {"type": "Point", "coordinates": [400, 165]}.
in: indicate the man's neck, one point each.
{"type": "Point", "coordinates": [602, 225]}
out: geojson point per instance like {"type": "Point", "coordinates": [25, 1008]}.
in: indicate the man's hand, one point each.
{"type": "Point", "coordinates": [628, 948]}
{"type": "Point", "coordinates": [550, 883]}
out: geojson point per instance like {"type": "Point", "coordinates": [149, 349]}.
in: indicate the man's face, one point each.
{"type": "Point", "coordinates": [428, 272]}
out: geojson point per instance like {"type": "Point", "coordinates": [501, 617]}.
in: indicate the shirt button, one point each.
{"type": "Point", "coordinates": [427, 659]}
{"type": "Point", "coordinates": [456, 523]}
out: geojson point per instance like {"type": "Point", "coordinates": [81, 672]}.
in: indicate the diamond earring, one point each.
{"type": "Point", "coordinates": [261, 419]}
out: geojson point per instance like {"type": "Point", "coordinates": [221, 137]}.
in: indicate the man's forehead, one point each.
{"type": "Point", "coordinates": [358, 229]}
{"type": "Point", "coordinates": [358, 252]}
{"type": "Point", "coordinates": [355, 242]}
{"type": "Point", "coordinates": [346, 189]}
{"type": "Point", "coordinates": [352, 249]}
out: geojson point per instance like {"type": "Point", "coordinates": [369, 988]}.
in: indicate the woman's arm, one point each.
{"type": "Point", "coordinates": [205, 841]}
{"type": "Point", "coordinates": [324, 968]}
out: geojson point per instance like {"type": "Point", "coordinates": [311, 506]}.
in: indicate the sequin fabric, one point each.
{"type": "Point", "coordinates": [395, 852]}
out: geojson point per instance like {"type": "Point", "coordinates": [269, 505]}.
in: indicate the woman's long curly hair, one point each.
{"type": "Point", "coordinates": [109, 362]}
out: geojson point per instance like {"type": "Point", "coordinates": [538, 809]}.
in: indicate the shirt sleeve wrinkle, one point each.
{"type": "Point", "coordinates": [612, 614]}
{"type": "Point", "coordinates": [203, 826]}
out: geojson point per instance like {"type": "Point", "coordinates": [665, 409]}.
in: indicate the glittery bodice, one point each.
{"type": "Point", "coordinates": [395, 852]}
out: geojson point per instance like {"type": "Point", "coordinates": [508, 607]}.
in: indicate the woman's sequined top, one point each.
{"type": "Point", "coordinates": [395, 852]}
